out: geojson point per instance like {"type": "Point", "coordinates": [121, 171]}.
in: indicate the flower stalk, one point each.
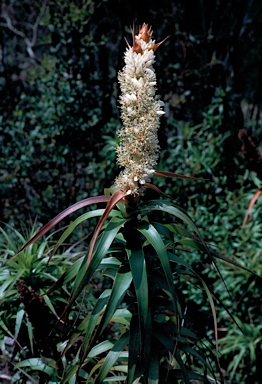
{"type": "Point", "coordinates": [141, 110]}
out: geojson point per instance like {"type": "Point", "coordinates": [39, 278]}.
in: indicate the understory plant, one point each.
{"type": "Point", "coordinates": [137, 330]}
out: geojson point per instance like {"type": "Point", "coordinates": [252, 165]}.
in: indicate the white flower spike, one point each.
{"type": "Point", "coordinates": [138, 149]}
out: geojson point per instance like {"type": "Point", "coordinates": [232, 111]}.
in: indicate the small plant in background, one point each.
{"type": "Point", "coordinates": [28, 314]}
{"type": "Point", "coordinates": [137, 329]}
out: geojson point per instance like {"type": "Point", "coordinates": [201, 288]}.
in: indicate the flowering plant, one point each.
{"type": "Point", "coordinates": [153, 341]}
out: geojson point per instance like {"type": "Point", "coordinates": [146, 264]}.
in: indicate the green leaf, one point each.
{"type": "Point", "coordinates": [112, 357]}
{"type": "Point", "coordinates": [18, 321]}
{"type": "Point", "coordinates": [2, 324]}
{"type": "Point", "coordinates": [88, 325]}
{"type": "Point", "coordinates": [115, 198]}
{"type": "Point", "coordinates": [46, 228]}
{"type": "Point", "coordinates": [183, 368]}
{"type": "Point", "coordinates": [30, 334]}
{"type": "Point", "coordinates": [165, 206]}
{"type": "Point", "coordinates": [212, 304]}
{"type": "Point", "coordinates": [153, 237]}
{"type": "Point", "coordinates": [122, 316]}
{"type": "Point", "coordinates": [100, 348]}
{"type": "Point", "coordinates": [67, 276]}
{"type": "Point", "coordinates": [137, 264]}
{"type": "Point", "coordinates": [100, 251]}
{"type": "Point", "coordinates": [71, 375]}
{"type": "Point", "coordinates": [9, 282]}
{"type": "Point", "coordinates": [79, 220]}
{"type": "Point", "coordinates": [153, 373]}
{"type": "Point", "coordinates": [40, 364]}
{"type": "Point", "coordinates": [75, 223]}
{"type": "Point", "coordinates": [133, 346]}
{"type": "Point", "coordinates": [121, 284]}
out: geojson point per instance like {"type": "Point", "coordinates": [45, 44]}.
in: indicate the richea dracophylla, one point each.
{"type": "Point", "coordinates": [152, 341]}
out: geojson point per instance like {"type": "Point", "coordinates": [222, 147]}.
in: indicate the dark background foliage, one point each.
{"type": "Point", "coordinates": [58, 89]}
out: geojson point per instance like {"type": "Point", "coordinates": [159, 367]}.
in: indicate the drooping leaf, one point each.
{"type": "Point", "coordinates": [46, 228]}
{"type": "Point", "coordinates": [114, 199]}
{"type": "Point", "coordinates": [40, 364]}
{"type": "Point", "coordinates": [175, 175]}
{"type": "Point", "coordinates": [155, 188]}
{"type": "Point", "coordinates": [74, 224]}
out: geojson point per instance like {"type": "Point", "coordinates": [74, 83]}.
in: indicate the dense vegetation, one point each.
{"type": "Point", "coordinates": [59, 116]}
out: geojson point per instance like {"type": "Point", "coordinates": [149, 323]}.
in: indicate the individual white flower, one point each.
{"type": "Point", "coordinates": [138, 149]}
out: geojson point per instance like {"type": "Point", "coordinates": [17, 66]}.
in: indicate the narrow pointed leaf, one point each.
{"type": "Point", "coordinates": [87, 326]}
{"type": "Point", "coordinates": [94, 320]}
{"type": "Point", "coordinates": [120, 286]}
{"type": "Point", "coordinates": [102, 347]}
{"type": "Point", "coordinates": [182, 214]}
{"type": "Point", "coordinates": [175, 175]}
{"type": "Point", "coordinates": [80, 204]}
{"type": "Point", "coordinates": [84, 273]}
{"type": "Point", "coordinates": [138, 268]}
{"type": "Point", "coordinates": [251, 204]}
{"type": "Point", "coordinates": [155, 188]}
{"type": "Point", "coordinates": [153, 237]}
{"type": "Point", "coordinates": [153, 373]}
{"type": "Point", "coordinates": [183, 368]}
{"type": "Point", "coordinates": [67, 276]}
{"type": "Point", "coordinates": [112, 357]}
{"type": "Point", "coordinates": [133, 346]}
{"type": "Point", "coordinates": [114, 199]}
{"type": "Point", "coordinates": [75, 223]}
{"type": "Point", "coordinates": [167, 207]}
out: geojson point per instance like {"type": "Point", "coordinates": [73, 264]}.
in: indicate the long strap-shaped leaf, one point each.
{"type": "Point", "coordinates": [155, 188]}
{"type": "Point", "coordinates": [76, 222]}
{"type": "Point", "coordinates": [181, 214]}
{"type": "Point", "coordinates": [166, 206]}
{"type": "Point", "coordinates": [46, 228]}
{"type": "Point", "coordinates": [153, 372]}
{"type": "Point", "coordinates": [87, 326]}
{"type": "Point", "coordinates": [153, 237]}
{"type": "Point", "coordinates": [121, 284]}
{"type": "Point", "coordinates": [78, 269]}
{"type": "Point", "coordinates": [194, 241]}
{"type": "Point", "coordinates": [138, 268]}
{"type": "Point", "coordinates": [209, 294]}
{"type": "Point", "coordinates": [175, 175]}
{"type": "Point", "coordinates": [112, 357]}
{"type": "Point", "coordinates": [102, 247]}
{"type": "Point", "coordinates": [114, 199]}
{"type": "Point", "coordinates": [133, 348]}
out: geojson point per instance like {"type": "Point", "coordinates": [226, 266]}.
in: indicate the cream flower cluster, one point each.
{"type": "Point", "coordinates": [138, 149]}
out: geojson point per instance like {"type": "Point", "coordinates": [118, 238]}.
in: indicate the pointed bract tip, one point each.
{"type": "Point", "coordinates": [145, 33]}
{"type": "Point", "coordinates": [155, 46]}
